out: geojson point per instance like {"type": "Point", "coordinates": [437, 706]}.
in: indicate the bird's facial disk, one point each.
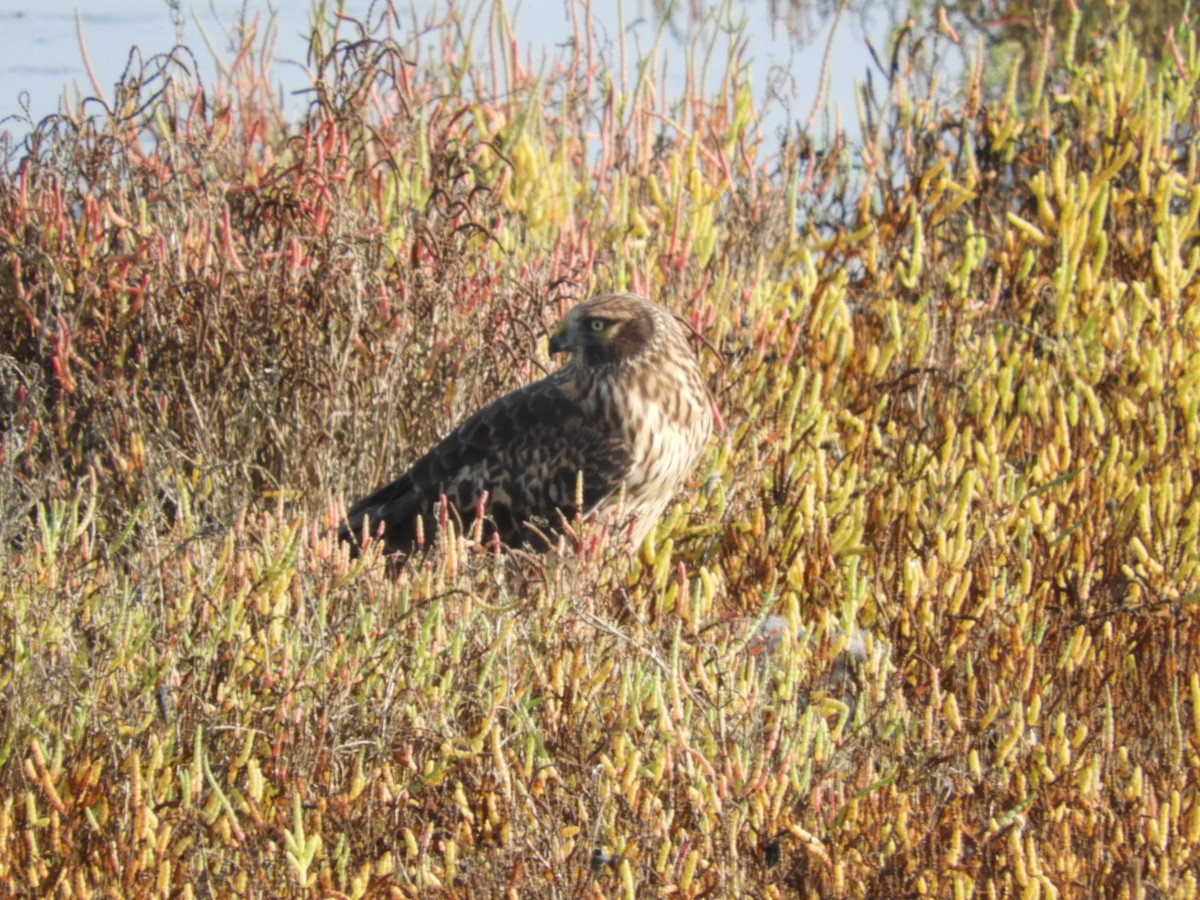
{"type": "Point", "coordinates": [606, 331]}
{"type": "Point", "coordinates": [581, 332]}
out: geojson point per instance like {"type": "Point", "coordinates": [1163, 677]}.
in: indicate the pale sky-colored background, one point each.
{"type": "Point", "coordinates": [40, 46]}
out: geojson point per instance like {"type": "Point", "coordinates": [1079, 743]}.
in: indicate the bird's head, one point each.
{"type": "Point", "coordinates": [610, 330]}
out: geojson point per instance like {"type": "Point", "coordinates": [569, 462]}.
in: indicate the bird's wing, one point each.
{"type": "Point", "coordinates": [526, 449]}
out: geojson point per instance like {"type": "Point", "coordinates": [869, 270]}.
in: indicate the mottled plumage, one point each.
{"type": "Point", "coordinates": [628, 407]}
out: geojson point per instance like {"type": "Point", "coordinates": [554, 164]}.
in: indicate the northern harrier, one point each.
{"type": "Point", "coordinates": [628, 408]}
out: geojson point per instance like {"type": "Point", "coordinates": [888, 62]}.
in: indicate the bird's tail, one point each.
{"type": "Point", "coordinates": [390, 512]}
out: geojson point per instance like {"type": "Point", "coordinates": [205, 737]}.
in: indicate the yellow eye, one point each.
{"type": "Point", "coordinates": [597, 325]}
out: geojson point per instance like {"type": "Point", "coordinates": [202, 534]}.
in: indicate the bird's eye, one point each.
{"type": "Point", "coordinates": [597, 325]}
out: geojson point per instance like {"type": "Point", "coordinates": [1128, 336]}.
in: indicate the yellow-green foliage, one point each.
{"type": "Point", "coordinates": [958, 377]}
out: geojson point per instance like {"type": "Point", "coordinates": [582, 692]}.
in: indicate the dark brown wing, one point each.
{"type": "Point", "coordinates": [525, 449]}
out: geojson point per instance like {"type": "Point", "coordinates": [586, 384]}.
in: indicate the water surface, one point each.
{"type": "Point", "coordinates": [41, 60]}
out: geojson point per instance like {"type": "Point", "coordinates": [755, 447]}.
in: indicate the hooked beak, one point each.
{"type": "Point", "coordinates": [558, 340]}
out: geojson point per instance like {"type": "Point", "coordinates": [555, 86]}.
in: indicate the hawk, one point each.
{"type": "Point", "coordinates": [627, 410]}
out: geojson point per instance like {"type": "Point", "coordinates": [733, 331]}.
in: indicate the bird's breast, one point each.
{"type": "Point", "coordinates": [667, 433]}
{"type": "Point", "coordinates": [662, 415]}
